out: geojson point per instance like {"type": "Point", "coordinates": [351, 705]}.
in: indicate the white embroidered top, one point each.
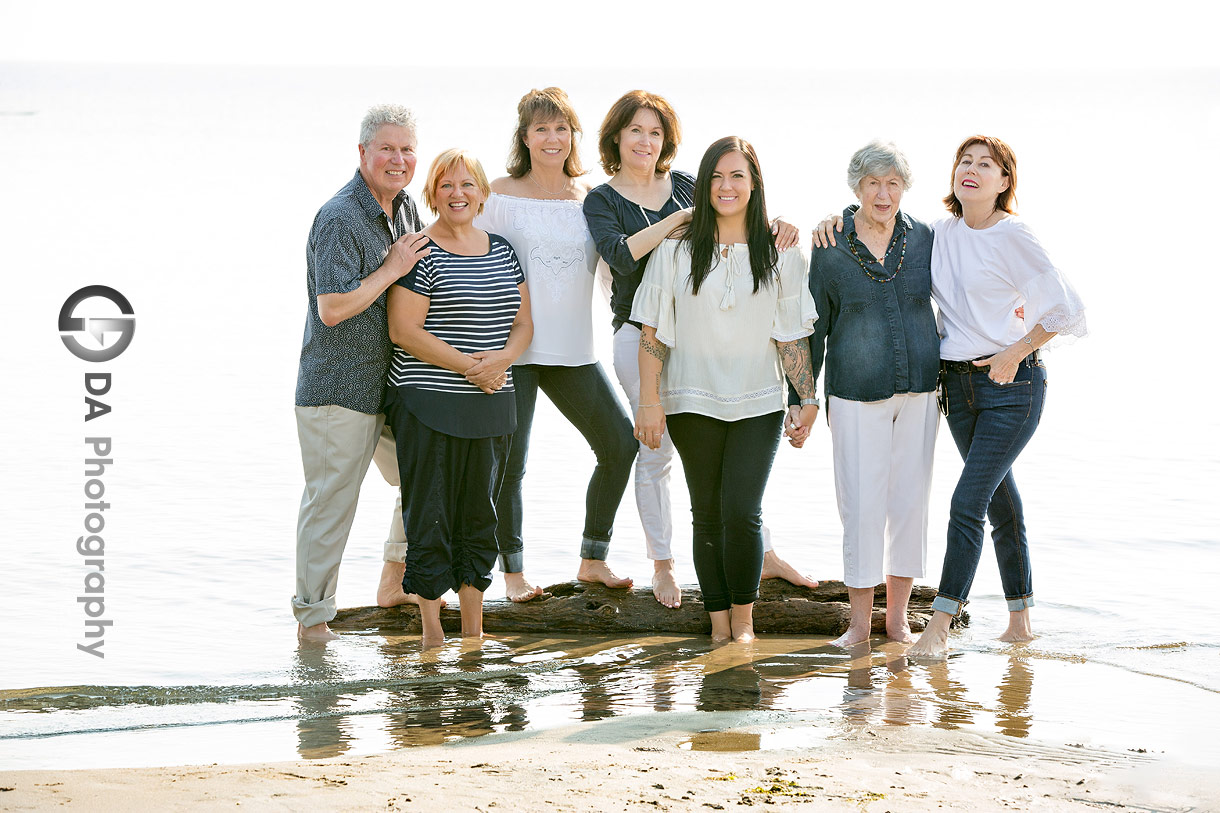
{"type": "Point", "coordinates": [723, 361]}
{"type": "Point", "coordinates": [555, 248]}
{"type": "Point", "coordinates": [981, 276]}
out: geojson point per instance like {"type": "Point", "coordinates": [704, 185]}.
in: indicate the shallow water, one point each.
{"type": "Point", "coordinates": [201, 663]}
{"type": "Point", "coordinates": [798, 692]}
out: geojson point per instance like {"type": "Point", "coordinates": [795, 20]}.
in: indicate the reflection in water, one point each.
{"type": "Point", "coordinates": [319, 730]}
{"type": "Point", "coordinates": [723, 741]}
{"type": "Point", "coordinates": [468, 689]}
{"type": "Point", "coordinates": [1013, 717]}
{"type": "Point", "coordinates": [371, 692]}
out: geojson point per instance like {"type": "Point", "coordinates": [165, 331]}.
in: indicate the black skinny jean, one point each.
{"type": "Point", "coordinates": [727, 464]}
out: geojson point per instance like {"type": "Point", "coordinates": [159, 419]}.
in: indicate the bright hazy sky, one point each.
{"type": "Point", "coordinates": [917, 34]}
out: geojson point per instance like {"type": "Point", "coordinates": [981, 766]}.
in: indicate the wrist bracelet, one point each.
{"type": "Point", "coordinates": [817, 402]}
{"type": "Point", "coordinates": [646, 406]}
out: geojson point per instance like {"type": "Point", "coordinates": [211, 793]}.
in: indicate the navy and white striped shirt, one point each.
{"type": "Point", "coordinates": [473, 301]}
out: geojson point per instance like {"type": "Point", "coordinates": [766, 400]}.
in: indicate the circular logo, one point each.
{"type": "Point", "coordinates": [124, 325]}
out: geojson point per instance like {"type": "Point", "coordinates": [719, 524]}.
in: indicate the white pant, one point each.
{"type": "Point", "coordinates": [652, 465]}
{"type": "Point", "coordinates": [336, 447]}
{"type": "Point", "coordinates": [883, 478]}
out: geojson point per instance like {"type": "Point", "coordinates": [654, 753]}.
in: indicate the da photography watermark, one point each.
{"type": "Point", "coordinates": [92, 333]}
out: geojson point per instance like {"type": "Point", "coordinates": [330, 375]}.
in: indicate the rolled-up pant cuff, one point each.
{"type": "Point", "coordinates": [310, 615]}
{"type": "Point", "coordinates": [594, 548]}
{"type": "Point", "coordinates": [512, 562]}
{"type": "Point", "coordinates": [1018, 604]}
{"type": "Point", "coordinates": [394, 552]}
{"type": "Point", "coordinates": [948, 605]}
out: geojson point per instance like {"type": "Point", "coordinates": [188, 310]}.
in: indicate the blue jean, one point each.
{"type": "Point", "coordinates": [586, 398]}
{"type": "Point", "coordinates": [990, 423]}
{"type": "Point", "coordinates": [727, 464]}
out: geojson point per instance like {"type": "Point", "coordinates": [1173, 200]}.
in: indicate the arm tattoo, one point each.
{"type": "Point", "coordinates": [794, 357]}
{"type": "Point", "coordinates": [654, 348]}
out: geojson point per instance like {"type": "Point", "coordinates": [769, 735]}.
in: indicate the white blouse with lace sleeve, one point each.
{"type": "Point", "coordinates": [981, 276]}
{"type": "Point", "coordinates": [723, 362]}
{"type": "Point", "coordinates": [556, 250]}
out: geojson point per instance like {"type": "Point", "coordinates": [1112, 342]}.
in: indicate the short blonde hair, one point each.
{"type": "Point", "coordinates": [444, 163]}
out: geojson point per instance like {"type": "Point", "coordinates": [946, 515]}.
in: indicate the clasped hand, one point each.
{"type": "Point", "coordinates": [798, 422]}
{"type": "Point", "coordinates": [489, 371]}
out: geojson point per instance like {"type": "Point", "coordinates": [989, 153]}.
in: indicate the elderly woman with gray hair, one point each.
{"type": "Point", "coordinates": [877, 337]}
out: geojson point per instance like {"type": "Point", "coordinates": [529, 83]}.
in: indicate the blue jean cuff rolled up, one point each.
{"type": "Point", "coordinates": [952, 606]}
{"type": "Point", "coordinates": [1018, 604]}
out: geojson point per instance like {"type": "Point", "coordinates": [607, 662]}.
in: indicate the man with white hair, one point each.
{"type": "Point", "coordinates": [363, 239]}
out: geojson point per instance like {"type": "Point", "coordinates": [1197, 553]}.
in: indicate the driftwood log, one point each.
{"type": "Point", "coordinates": [577, 607]}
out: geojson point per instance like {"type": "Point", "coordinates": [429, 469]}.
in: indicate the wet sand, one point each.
{"type": "Point", "coordinates": [658, 762]}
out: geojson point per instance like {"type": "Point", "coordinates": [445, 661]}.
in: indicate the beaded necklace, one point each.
{"type": "Point", "coordinates": [873, 275]}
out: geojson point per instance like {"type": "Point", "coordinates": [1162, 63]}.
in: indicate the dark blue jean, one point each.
{"type": "Point", "coordinates": [990, 423]}
{"type": "Point", "coordinates": [727, 464]}
{"type": "Point", "coordinates": [585, 397]}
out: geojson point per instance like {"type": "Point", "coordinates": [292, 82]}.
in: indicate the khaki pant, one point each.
{"type": "Point", "coordinates": [336, 447]}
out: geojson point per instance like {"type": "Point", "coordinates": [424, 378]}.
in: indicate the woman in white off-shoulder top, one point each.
{"type": "Point", "coordinates": [537, 208]}
{"type": "Point", "coordinates": [721, 312]}
{"type": "Point", "coordinates": [986, 266]}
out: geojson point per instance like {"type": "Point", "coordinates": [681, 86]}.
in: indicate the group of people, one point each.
{"type": "Point", "coordinates": [425, 349]}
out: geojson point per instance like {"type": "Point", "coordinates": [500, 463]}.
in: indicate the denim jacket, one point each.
{"type": "Point", "coordinates": [877, 339]}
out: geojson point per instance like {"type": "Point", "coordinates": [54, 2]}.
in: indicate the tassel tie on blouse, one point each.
{"type": "Point", "coordinates": [734, 269]}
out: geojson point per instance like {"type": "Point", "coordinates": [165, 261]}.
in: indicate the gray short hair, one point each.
{"type": "Point", "coordinates": [878, 158]}
{"type": "Point", "coordinates": [380, 114]}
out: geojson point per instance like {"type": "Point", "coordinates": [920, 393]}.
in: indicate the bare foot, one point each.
{"type": "Point", "coordinates": [934, 642]}
{"type": "Point", "coordinates": [776, 568]}
{"type": "Point", "coordinates": [741, 622]}
{"type": "Point", "coordinates": [389, 589]}
{"type": "Point", "coordinates": [897, 597]}
{"type": "Point", "coordinates": [471, 600]}
{"type": "Point", "coordinates": [665, 585]}
{"type": "Point", "coordinates": [1019, 629]}
{"type": "Point", "coordinates": [722, 630]}
{"type": "Point", "coordinates": [901, 634]}
{"type": "Point", "coordinates": [854, 635]}
{"type": "Point", "coordinates": [430, 621]}
{"type": "Point", "coordinates": [517, 589]}
{"type": "Point", "coordinates": [598, 572]}
{"type": "Point", "coordinates": [318, 632]}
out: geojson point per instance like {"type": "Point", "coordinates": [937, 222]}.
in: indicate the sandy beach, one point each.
{"type": "Point", "coordinates": [658, 762]}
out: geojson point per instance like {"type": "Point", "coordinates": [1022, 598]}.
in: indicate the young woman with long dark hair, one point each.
{"type": "Point", "coordinates": [724, 316]}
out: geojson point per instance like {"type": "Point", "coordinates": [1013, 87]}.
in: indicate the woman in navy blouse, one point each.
{"type": "Point", "coordinates": [458, 321]}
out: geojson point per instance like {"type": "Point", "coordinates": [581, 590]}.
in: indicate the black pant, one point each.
{"type": "Point", "coordinates": [449, 490]}
{"type": "Point", "coordinates": [726, 464]}
{"type": "Point", "coordinates": [584, 395]}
